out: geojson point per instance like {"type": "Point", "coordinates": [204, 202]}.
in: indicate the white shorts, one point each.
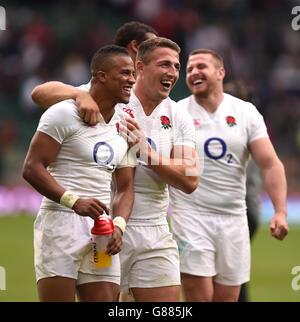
{"type": "Point", "coordinates": [62, 247]}
{"type": "Point", "coordinates": [149, 258]}
{"type": "Point", "coordinates": [213, 245]}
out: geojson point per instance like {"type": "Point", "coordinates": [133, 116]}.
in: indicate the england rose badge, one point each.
{"type": "Point", "coordinates": [230, 121]}
{"type": "Point", "coordinates": [165, 122]}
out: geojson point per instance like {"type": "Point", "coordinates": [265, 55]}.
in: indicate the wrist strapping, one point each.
{"type": "Point", "coordinates": [68, 199]}
{"type": "Point", "coordinates": [120, 222]}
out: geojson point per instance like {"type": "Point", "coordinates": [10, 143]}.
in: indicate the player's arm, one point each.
{"type": "Point", "coordinates": [181, 170]}
{"type": "Point", "coordinates": [50, 93]}
{"type": "Point", "coordinates": [121, 206]}
{"type": "Point", "coordinates": [42, 151]}
{"type": "Point", "coordinates": [273, 172]}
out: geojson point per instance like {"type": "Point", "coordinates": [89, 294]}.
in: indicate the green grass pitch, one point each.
{"type": "Point", "coordinates": [271, 277]}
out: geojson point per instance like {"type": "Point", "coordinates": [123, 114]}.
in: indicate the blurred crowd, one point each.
{"type": "Point", "coordinates": [56, 39]}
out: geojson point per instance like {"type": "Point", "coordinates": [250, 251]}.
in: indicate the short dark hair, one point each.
{"type": "Point", "coordinates": [214, 54]}
{"type": "Point", "coordinates": [151, 44]}
{"type": "Point", "coordinates": [104, 54]}
{"type": "Point", "coordinates": [133, 30]}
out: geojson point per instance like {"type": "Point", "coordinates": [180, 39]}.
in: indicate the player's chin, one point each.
{"type": "Point", "coordinates": [164, 94]}
{"type": "Point", "coordinates": [125, 98]}
{"type": "Point", "coordinates": [198, 91]}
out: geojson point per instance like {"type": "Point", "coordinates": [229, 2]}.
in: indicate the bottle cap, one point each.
{"type": "Point", "coordinates": [103, 225]}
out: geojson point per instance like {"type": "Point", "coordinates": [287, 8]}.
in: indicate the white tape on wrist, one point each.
{"type": "Point", "coordinates": [68, 199]}
{"type": "Point", "coordinates": [120, 222]}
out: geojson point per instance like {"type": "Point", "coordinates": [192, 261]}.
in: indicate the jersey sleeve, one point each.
{"type": "Point", "coordinates": [256, 126]}
{"type": "Point", "coordinates": [59, 121]}
{"type": "Point", "coordinates": [185, 132]}
{"type": "Point", "coordinates": [129, 160]}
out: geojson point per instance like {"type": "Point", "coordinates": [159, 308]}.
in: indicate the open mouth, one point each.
{"type": "Point", "coordinates": [166, 84]}
{"type": "Point", "coordinates": [127, 89]}
{"type": "Point", "coordinates": [197, 82]}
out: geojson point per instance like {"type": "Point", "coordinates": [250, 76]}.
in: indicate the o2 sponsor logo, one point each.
{"type": "Point", "coordinates": [220, 149]}
{"type": "Point", "coordinates": [103, 153]}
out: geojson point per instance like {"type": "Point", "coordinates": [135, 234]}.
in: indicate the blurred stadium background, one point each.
{"type": "Point", "coordinates": [55, 41]}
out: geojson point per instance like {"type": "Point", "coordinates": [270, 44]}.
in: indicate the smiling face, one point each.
{"type": "Point", "coordinates": [120, 78]}
{"type": "Point", "coordinates": [159, 73]}
{"type": "Point", "coordinates": [204, 74]}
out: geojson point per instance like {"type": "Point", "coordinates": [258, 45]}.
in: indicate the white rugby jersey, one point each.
{"type": "Point", "coordinates": [87, 156]}
{"type": "Point", "coordinates": [222, 141]}
{"type": "Point", "coordinates": [167, 126]}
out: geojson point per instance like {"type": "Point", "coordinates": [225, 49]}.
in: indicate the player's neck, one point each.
{"type": "Point", "coordinates": [107, 112]}
{"type": "Point", "coordinates": [106, 105]}
{"type": "Point", "coordinates": [148, 103]}
{"type": "Point", "coordinates": [210, 102]}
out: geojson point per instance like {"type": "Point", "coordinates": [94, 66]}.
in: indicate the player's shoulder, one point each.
{"type": "Point", "coordinates": [64, 112]}
{"type": "Point", "coordinates": [66, 107]}
{"type": "Point", "coordinates": [239, 105]}
{"type": "Point", "coordinates": [169, 103]}
{"type": "Point", "coordinates": [169, 107]}
{"type": "Point", "coordinates": [185, 101]}
{"type": "Point", "coordinates": [180, 115]}
{"type": "Point", "coordinates": [236, 101]}
{"type": "Point", "coordinates": [187, 104]}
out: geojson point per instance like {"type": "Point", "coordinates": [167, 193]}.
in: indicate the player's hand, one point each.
{"type": "Point", "coordinates": [88, 109]}
{"type": "Point", "coordinates": [278, 226]}
{"type": "Point", "coordinates": [114, 245]}
{"type": "Point", "coordinates": [135, 136]}
{"type": "Point", "coordinates": [90, 207]}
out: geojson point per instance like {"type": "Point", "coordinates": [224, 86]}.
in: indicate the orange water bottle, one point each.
{"type": "Point", "coordinates": [101, 233]}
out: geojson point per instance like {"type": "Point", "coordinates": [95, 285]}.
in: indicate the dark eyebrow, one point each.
{"type": "Point", "coordinates": [164, 62]}
{"type": "Point", "coordinates": [177, 65]}
{"type": "Point", "coordinates": [127, 70]}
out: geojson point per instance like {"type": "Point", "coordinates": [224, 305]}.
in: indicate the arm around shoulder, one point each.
{"type": "Point", "coordinates": [53, 92]}
{"type": "Point", "coordinates": [50, 93]}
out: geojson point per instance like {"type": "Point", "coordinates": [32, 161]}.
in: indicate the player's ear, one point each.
{"type": "Point", "coordinates": [139, 66]}
{"type": "Point", "coordinates": [133, 45]}
{"type": "Point", "coordinates": [101, 76]}
{"type": "Point", "coordinates": [222, 73]}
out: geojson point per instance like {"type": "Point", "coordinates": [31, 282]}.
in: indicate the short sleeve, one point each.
{"type": "Point", "coordinates": [256, 126]}
{"type": "Point", "coordinates": [129, 160]}
{"type": "Point", "coordinates": [59, 121]}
